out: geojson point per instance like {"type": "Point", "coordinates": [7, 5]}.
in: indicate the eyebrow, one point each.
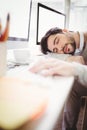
{"type": "Point", "coordinates": [54, 40]}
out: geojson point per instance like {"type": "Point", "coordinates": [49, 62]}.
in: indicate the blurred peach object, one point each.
{"type": "Point", "coordinates": [4, 35]}
{"type": "Point", "coordinates": [20, 101]}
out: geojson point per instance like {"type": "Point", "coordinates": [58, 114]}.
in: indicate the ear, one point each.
{"type": "Point", "coordinates": [65, 30]}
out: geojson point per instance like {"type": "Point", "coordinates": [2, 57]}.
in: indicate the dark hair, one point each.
{"type": "Point", "coordinates": [43, 42]}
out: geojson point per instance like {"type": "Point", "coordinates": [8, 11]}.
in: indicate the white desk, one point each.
{"type": "Point", "coordinates": [59, 87]}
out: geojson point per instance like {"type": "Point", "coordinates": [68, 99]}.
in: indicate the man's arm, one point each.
{"type": "Point", "coordinates": [52, 66]}
{"type": "Point", "coordinates": [78, 59]}
{"type": "Point", "coordinates": [67, 57]}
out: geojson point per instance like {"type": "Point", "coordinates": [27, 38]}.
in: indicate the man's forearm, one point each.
{"type": "Point", "coordinates": [78, 59]}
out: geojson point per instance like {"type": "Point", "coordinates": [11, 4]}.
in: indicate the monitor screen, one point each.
{"type": "Point", "coordinates": [20, 12]}
{"type": "Point", "coordinates": [48, 18]}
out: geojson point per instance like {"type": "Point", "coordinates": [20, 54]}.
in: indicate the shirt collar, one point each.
{"type": "Point", "coordinates": [80, 49]}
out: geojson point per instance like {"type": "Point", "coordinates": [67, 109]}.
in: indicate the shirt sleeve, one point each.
{"type": "Point", "coordinates": [59, 56]}
{"type": "Point", "coordinates": [80, 72]}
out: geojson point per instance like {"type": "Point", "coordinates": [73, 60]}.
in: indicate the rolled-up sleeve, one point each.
{"type": "Point", "coordinates": [59, 56]}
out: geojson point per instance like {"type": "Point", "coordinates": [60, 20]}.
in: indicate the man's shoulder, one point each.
{"type": "Point", "coordinates": [81, 44]}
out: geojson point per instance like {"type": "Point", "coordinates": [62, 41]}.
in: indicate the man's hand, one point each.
{"type": "Point", "coordinates": [52, 66]}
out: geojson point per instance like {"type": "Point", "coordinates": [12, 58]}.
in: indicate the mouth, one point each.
{"type": "Point", "coordinates": [66, 49]}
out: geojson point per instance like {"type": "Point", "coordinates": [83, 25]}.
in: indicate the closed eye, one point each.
{"type": "Point", "coordinates": [57, 41]}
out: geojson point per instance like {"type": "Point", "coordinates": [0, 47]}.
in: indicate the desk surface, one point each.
{"type": "Point", "coordinates": [59, 88]}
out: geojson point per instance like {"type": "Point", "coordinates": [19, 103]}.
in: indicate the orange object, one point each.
{"type": "Point", "coordinates": [20, 101]}
{"type": "Point", "coordinates": [4, 35]}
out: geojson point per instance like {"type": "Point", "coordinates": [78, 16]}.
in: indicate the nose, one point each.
{"type": "Point", "coordinates": [60, 48]}
{"type": "Point", "coordinates": [60, 51]}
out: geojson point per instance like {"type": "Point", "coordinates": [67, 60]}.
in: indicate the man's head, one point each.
{"type": "Point", "coordinates": [58, 41]}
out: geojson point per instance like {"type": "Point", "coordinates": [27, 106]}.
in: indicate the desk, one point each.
{"type": "Point", "coordinates": [57, 96]}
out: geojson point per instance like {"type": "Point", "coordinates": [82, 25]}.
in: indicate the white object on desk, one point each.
{"type": "Point", "coordinates": [3, 58]}
{"type": "Point", "coordinates": [57, 96]}
{"type": "Point", "coordinates": [24, 55]}
{"type": "Point", "coordinates": [21, 55]}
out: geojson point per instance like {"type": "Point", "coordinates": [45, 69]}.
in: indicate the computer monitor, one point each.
{"type": "Point", "coordinates": [46, 19]}
{"type": "Point", "coordinates": [20, 14]}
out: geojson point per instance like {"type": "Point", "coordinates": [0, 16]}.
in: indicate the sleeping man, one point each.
{"type": "Point", "coordinates": [51, 67]}
{"type": "Point", "coordinates": [67, 44]}
{"type": "Point", "coordinates": [64, 42]}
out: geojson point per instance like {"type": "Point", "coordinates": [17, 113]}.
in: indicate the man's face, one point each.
{"type": "Point", "coordinates": [61, 43]}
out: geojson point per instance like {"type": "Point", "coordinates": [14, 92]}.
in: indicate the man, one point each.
{"type": "Point", "coordinates": [64, 42]}
{"type": "Point", "coordinates": [52, 66]}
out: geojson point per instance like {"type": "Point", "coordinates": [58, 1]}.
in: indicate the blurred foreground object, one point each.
{"type": "Point", "coordinates": [20, 101]}
{"type": "Point", "coordinates": [4, 35]}
{"type": "Point", "coordinates": [3, 58]}
{"type": "Point", "coordinates": [3, 46]}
